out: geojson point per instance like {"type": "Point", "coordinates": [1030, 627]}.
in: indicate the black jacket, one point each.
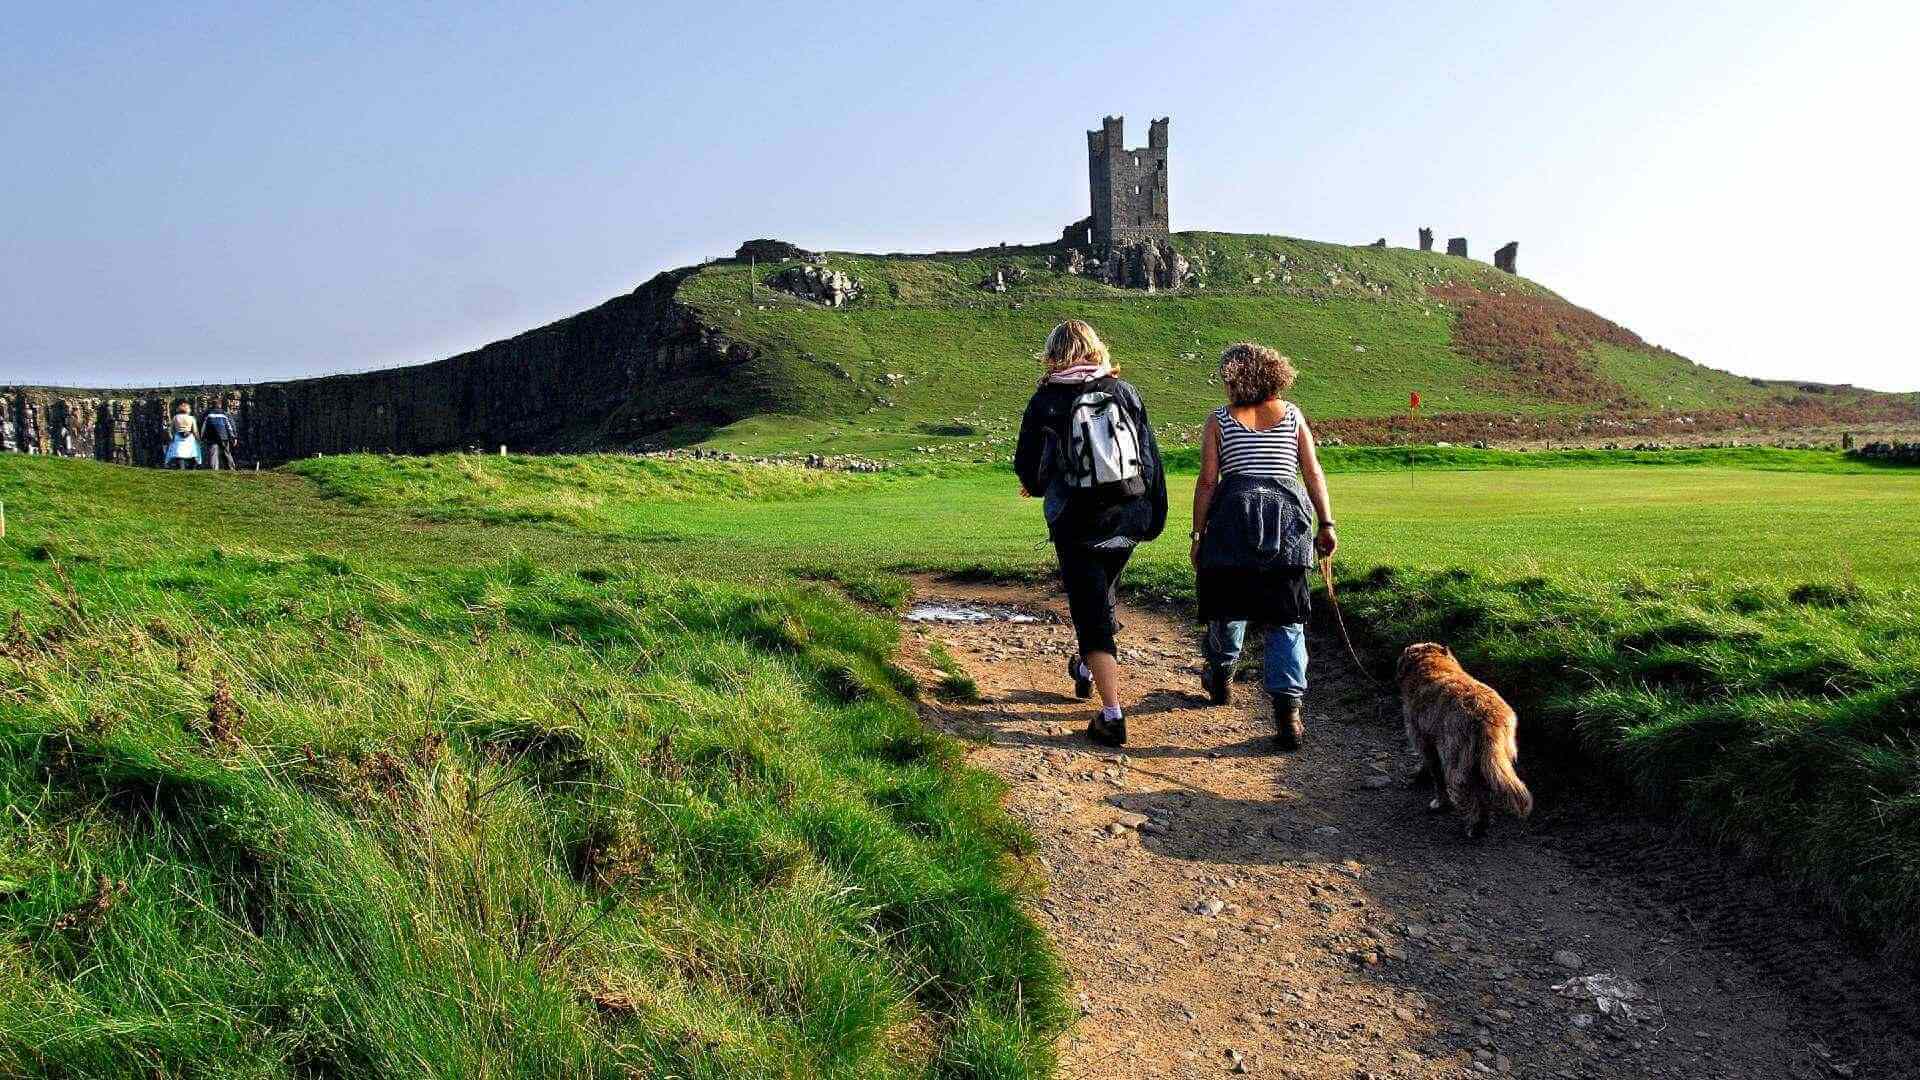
{"type": "Point", "coordinates": [1072, 518]}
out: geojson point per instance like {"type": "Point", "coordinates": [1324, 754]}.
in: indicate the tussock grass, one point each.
{"type": "Point", "coordinates": [278, 815]}
{"type": "Point", "coordinates": [955, 684]}
{"type": "Point", "coordinates": [1783, 718]}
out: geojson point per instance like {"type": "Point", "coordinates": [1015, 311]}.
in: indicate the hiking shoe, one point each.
{"type": "Point", "coordinates": [1217, 681]}
{"type": "Point", "coordinates": [1082, 678]}
{"type": "Point", "coordinates": [1108, 732]}
{"type": "Point", "coordinates": [1289, 727]}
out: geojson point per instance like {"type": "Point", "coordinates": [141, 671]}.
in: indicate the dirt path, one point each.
{"type": "Point", "coordinates": [1225, 909]}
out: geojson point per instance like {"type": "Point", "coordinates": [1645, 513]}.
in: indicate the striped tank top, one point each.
{"type": "Point", "coordinates": [1274, 452]}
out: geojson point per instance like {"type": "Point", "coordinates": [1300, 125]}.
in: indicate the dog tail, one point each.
{"type": "Point", "coordinates": [1503, 784]}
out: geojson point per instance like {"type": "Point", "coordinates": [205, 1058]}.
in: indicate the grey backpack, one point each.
{"type": "Point", "coordinates": [1101, 446]}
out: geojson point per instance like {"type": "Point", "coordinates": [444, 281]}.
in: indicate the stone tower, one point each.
{"type": "Point", "coordinates": [1129, 186]}
{"type": "Point", "coordinates": [1507, 256]}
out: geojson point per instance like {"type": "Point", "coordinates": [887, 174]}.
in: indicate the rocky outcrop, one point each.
{"type": "Point", "coordinates": [770, 251]}
{"type": "Point", "coordinates": [834, 288]}
{"type": "Point", "coordinates": [1002, 277]}
{"type": "Point", "coordinates": [1899, 453]}
{"type": "Point", "coordinates": [608, 376]}
{"type": "Point", "coordinates": [1142, 264]}
{"type": "Point", "coordinates": [1146, 264]}
{"type": "Point", "coordinates": [1073, 261]}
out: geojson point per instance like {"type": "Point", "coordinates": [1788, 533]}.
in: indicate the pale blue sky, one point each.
{"type": "Point", "coordinates": [214, 192]}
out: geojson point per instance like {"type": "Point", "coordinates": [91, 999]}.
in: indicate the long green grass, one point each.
{"type": "Point", "coordinates": [415, 797]}
{"type": "Point", "coordinates": [1779, 715]}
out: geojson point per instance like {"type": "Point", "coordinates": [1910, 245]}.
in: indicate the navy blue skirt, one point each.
{"type": "Point", "coordinates": [1257, 552]}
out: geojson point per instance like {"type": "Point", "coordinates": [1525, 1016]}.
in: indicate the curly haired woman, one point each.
{"type": "Point", "coordinates": [1253, 542]}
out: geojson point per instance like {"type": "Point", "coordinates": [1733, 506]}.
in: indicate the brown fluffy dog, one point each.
{"type": "Point", "coordinates": [1466, 735]}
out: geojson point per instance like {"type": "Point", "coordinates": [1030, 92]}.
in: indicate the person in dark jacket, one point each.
{"type": "Point", "coordinates": [1253, 543]}
{"type": "Point", "coordinates": [218, 434]}
{"type": "Point", "coordinates": [1087, 448]}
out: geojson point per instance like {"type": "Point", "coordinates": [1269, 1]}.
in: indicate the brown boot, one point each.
{"type": "Point", "coordinates": [1289, 727]}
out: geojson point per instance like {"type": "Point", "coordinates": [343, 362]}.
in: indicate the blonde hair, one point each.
{"type": "Point", "coordinates": [1073, 343]}
{"type": "Point", "coordinates": [1254, 373]}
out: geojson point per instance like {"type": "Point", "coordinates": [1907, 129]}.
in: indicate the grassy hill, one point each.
{"type": "Point", "coordinates": [926, 356]}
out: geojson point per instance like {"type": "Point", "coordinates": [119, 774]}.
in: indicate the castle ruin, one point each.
{"type": "Point", "coordinates": [1457, 246]}
{"type": "Point", "coordinates": [1426, 238]}
{"type": "Point", "coordinates": [1125, 241]}
{"type": "Point", "coordinates": [1129, 187]}
{"type": "Point", "coordinates": [1507, 256]}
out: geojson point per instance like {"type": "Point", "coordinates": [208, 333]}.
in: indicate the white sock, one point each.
{"type": "Point", "coordinates": [1110, 713]}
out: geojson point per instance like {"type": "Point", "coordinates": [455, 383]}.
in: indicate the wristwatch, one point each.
{"type": "Point", "coordinates": [1326, 523]}
{"type": "Point", "coordinates": [1196, 534]}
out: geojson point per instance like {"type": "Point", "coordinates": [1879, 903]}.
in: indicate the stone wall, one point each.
{"type": "Point", "coordinates": [610, 375]}
{"type": "Point", "coordinates": [1129, 187]}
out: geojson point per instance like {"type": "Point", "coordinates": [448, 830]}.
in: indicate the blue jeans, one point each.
{"type": "Point", "coordinates": [1286, 665]}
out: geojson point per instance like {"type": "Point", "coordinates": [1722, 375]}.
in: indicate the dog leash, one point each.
{"type": "Point", "coordinates": [1326, 575]}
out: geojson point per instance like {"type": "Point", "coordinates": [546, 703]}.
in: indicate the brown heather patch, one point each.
{"type": "Point", "coordinates": [17, 645]}
{"type": "Point", "coordinates": [1797, 413]}
{"type": "Point", "coordinates": [87, 914]}
{"type": "Point", "coordinates": [1542, 343]}
{"type": "Point", "coordinates": [223, 716]}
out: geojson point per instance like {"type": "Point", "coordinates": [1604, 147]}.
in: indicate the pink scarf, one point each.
{"type": "Point", "coordinates": [1079, 373]}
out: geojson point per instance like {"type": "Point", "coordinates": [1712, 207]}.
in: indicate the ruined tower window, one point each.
{"type": "Point", "coordinates": [1136, 189]}
{"type": "Point", "coordinates": [1136, 161]}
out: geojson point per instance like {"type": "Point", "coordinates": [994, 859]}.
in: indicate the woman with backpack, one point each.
{"type": "Point", "coordinates": [1087, 448]}
{"type": "Point", "coordinates": [1253, 543]}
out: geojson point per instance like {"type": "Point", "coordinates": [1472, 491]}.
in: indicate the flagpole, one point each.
{"type": "Point", "coordinates": [1413, 406]}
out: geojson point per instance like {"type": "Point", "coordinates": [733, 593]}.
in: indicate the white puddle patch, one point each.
{"type": "Point", "coordinates": [939, 612]}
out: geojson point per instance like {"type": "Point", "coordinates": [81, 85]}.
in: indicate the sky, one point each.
{"type": "Point", "coordinates": [206, 192]}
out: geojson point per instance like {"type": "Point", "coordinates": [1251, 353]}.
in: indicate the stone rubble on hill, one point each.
{"type": "Point", "coordinates": [834, 288]}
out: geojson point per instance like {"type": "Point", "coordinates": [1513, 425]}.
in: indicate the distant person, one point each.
{"type": "Point", "coordinates": [1086, 447]}
{"type": "Point", "coordinates": [183, 448]}
{"type": "Point", "coordinates": [220, 436]}
{"type": "Point", "coordinates": [1253, 541]}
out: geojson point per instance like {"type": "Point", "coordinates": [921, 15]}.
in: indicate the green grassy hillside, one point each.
{"type": "Point", "coordinates": [927, 357]}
